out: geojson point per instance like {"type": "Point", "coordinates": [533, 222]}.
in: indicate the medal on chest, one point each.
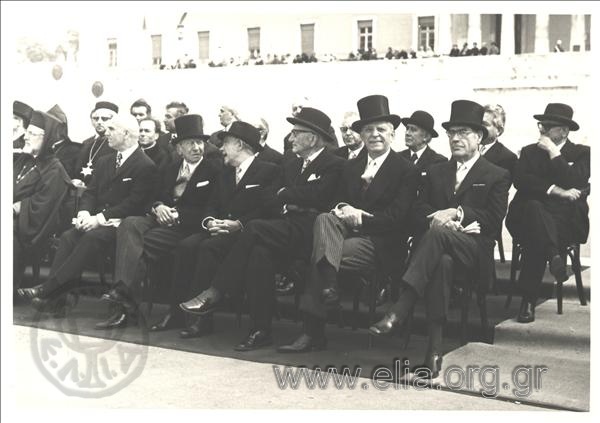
{"type": "Point", "coordinates": [87, 171]}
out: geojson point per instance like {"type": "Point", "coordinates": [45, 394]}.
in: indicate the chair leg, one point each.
{"type": "Point", "coordinates": [576, 267]}
{"type": "Point", "coordinates": [481, 301]}
{"type": "Point", "coordinates": [296, 306]}
{"type": "Point", "coordinates": [464, 318]}
{"type": "Point", "coordinates": [373, 288]}
{"type": "Point", "coordinates": [408, 327]}
{"type": "Point", "coordinates": [35, 267]}
{"type": "Point", "coordinates": [559, 297]}
{"type": "Point", "coordinates": [514, 266]}
{"type": "Point", "coordinates": [356, 308]}
{"type": "Point", "coordinates": [501, 250]}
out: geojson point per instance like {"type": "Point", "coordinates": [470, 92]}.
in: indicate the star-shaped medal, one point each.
{"type": "Point", "coordinates": [86, 171]}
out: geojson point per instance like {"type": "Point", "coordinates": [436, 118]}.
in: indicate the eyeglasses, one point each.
{"type": "Point", "coordinates": [102, 118]}
{"type": "Point", "coordinates": [343, 129]}
{"type": "Point", "coordinates": [462, 133]}
{"type": "Point", "coordinates": [296, 132]}
{"type": "Point", "coordinates": [546, 126]}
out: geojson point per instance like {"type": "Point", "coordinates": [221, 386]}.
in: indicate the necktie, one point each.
{"type": "Point", "coordinates": [461, 172]}
{"type": "Point", "coordinates": [414, 157]}
{"type": "Point", "coordinates": [119, 158]}
{"type": "Point", "coordinates": [369, 174]}
{"type": "Point", "coordinates": [238, 175]}
{"type": "Point", "coordinates": [351, 155]}
{"type": "Point", "coordinates": [305, 164]}
{"type": "Point", "coordinates": [481, 148]}
{"type": "Point", "coordinates": [182, 180]}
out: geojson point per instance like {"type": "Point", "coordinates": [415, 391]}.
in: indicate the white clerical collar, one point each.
{"type": "Point", "coordinates": [149, 147]}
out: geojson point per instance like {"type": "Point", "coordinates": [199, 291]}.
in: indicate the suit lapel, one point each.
{"type": "Point", "coordinates": [357, 170]}
{"type": "Point", "coordinates": [250, 172]}
{"type": "Point", "coordinates": [381, 179]}
{"type": "Point", "coordinates": [310, 169]}
{"type": "Point", "coordinates": [471, 176]}
{"type": "Point", "coordinates": [449, 177]}
{"type": "Point", "coordinates": [131, 160]}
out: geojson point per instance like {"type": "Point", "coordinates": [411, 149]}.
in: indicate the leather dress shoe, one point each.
{"type": "Point", "coordinates": [202, 304]}
{"type": "Point", "coordinates": [526, 312]}
{"type": "Point", "coordinates": [386, 325]}
{"type": "Point", "coordinates": [57, 304]}
{"type": "Point", "coordinates": [330, 296]}
{"type": "Point", "coordinates": [117, 297]}
{"type": "Point", "coordinates": [202, 326]}
{"type": "Point", "coordinates": [117, 320]}
{"type": "Point", "coordinates": [558, 269]}
{"type": "Point", "coordinates": [171, 320]}
{"type": "Point", "coordinates": [305, 343]}
{"type": "Point", "coordinates": [256, 339]}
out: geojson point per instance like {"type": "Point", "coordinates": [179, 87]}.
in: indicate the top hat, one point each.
{"type": "Point", "coordinates": [189, 126]}
{"type": "Point", "coordinates": [467, 113]}
{"type": "Point", "coordinates": [374, 108]}
{"type": "Point", "coordinates": [423, 120]}
{"type": "Point", "coordinates": [245, 132]}
{"type": "Point", "coordinates": [559, 112]}
{"type": "Point", "coordinates": [57, 113]}
{"type": "Point", "coordinates": [23, 111]}
{"type": "Point", "coordinates": [313, 119]}
{"type": "Point", "coordinates": [106, 105]}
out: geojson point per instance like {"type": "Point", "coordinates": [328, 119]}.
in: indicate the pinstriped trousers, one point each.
{"type": "Point", "coordinates": [343, 249]}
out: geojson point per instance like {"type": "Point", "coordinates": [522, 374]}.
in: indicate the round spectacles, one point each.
{"type": "Point", "coordinates": [102, 118]}
{"type": "Point", "coordinates": [296, 132]}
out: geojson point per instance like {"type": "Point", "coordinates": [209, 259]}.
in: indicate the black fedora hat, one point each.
{"type": "Point", "coordinates": [466, 113]}
{"type": "Point", "coordinates": [106, 105]}
{"type": "Point", "coordinates": [313, 119]}
{"type": "Point", "coordinates": [559, 112]}
{"type": "Point", "coordinates": [23, 111]}
{"type": "Point", "coordinates": [245, 132]}
{"type": "Point", "coordinates": [374, 108]}
{"type": "Point", "coordinates": [189, 126]}
{"type": "Point", "coordinates": [422, 120]}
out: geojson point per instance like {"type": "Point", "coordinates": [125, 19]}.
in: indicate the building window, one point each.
{"type": "Point", "coordinates": [308, 38]}
{"type": "Point", "coordinates": [254, 40]}
{"type": "Point", "coordinates": [112, 52]}
{"type": "Point", "coordinates": [365, 35]}
{"type": "Point", "coordinates": [157, 49]}
{"type": "Point", "coordinates": [426, 32]}
{"type": "Point", "coordinates": [203, 45]}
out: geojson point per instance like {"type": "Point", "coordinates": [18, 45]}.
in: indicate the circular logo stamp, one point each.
{"type": "Point", "coordinates": [97, 364]}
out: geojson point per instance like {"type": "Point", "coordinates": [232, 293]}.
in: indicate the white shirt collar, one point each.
{"type": "Point", "coordinates": [314, 155]}
{"type": "Point", "coordinates": [128, 152]}
{"type": "Point", "coordinates": [373, 165]}
{"type": "Point", "coordinates": [562, 144]}
{"type": "Point", "coordinates": [244, 166]}
{"type": "Point", "coordinates": [357, 151]}
{"type": "Point", "coordinates": [487, 147]}
{"type": "Point", "coordinates": [192, 166]}
{"type": "Point", "coordinates": [419, 153]}
{"type": "Point", "coordinates": [469, 163]}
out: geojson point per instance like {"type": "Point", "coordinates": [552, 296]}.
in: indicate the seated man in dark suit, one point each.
{"type": "Point", "coordinates": [419, 131]}
{"type": "Point", "coordinates": [550, 208]}
{"type": "Point", "coordinates": [122, 185]}
{"type": "Point", "coordinates": [176, 213]}
{"type": "Point", "coordinates": [354, 146]}
{"type": "Point", "coordinates": [242, 194]}
{"type": "Point", "coordinates": [309, 182]}
{"type": "Point", "coordinates": [367, 226]}
{"type": "Point", "coordinates": [493, 150]}
{"type": "Point", "coordinates": [461, 207]}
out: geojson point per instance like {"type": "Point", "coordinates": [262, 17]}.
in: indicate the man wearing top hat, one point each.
{"type": "Point", "coordinates": [95, 147]}
{"type": "Point", "coordinates": [21, 117]}
{"type": "Point", "coordinates": [367, 223]}
{"type": "Point", "coordinates": [550, 207]}
{"type": "Point", "coordinates": [460, 209]}
{"type": "Point", "coordinates": [122, 185]}
{"type": "Point", "coordinates": [309, 182]}
{"type": "Point", "coordinates": [419, 132]}
{"type": "Point", "coordinates": [242, 194]}
{"type": "Point", "coordinates": [175, 213]}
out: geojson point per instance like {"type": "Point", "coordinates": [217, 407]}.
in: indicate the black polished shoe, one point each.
{"type": "Point", "coordinates": [305, 343]}
{"type": "Point", "coordinates": [256, 339]}
{"type": "Point", "coordinates": [57, 304]}
{"type": "Point", "coordinates": [117, 297]}
{"type": "Point", "coordinates": [386, 325]}
{"type": "Point", "coordinates": [201, 327]}
{"type": "Point", "coordinates": [330, 296]}
{"type": "Point", "coordinates": [558, 269]}
{"type": "Point", "coordinates": [205, 303]}
{"type": "Point", "coordinates": [432, 367]}
{"type": "Point", "coordinates": [172, 320]}
{"type": "Point", "coordinates": [117, 320]}
{"type": "Point", "coordinates": [526, 312]}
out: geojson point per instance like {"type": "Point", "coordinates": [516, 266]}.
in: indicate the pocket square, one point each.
{"type": "Point", "coordinates": [313, 177]}
{"type": "Point", "coordinates": [202, 184]}
{"type": "Point", "coordinates": [478, 185]}
{"type": "Point", "coordinates": [423, 173]}
{"type": "Point", "coordinates": [570, 163]}
{"type": "Point", "coordinates": [126, 179]}
{"type": "Point", "coordinates": [252, 186]}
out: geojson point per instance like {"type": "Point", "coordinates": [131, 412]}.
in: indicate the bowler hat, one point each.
{"type": "Point", "coordinates": [189, 126]}
{"type": "Point", "coordinates": [23, 111]}
{"type": "Point", "coordinates": [423, 120]}
{"type": "Point", "coordinates": [245, 132]}
{"type": "Point", "coordinates": [313, 119]}
{"type": "Point", "coordinates": [374, 108]}
{"type": "Point", "coordinates": [466, 113]}
{"type": "Point", "coordinates": [106, 105]}
{"type": "Point", "coordinates": [559, 112]}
